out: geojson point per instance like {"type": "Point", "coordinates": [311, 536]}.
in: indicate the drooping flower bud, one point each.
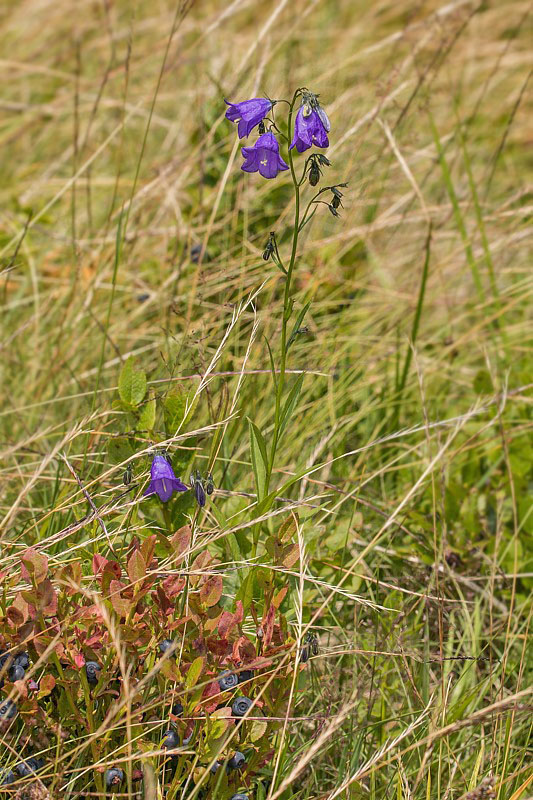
{"type": "Point", "coordinates": [270, 246]}
{"type": "Point", "coordinates": [314, 174]}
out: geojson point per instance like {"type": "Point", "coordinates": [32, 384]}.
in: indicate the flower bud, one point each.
{"type": "Point", "coordinates": [314, 174]}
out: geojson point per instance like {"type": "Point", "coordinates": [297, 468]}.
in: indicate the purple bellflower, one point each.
{"type": "Point", "coordinates": [264, 157]}
{"type": "Point", "coordinates": [311, 127]}
{"type": "Point", "coordinates": [163, 481]}
{"type": "Point", "coordinates": [248, 114]}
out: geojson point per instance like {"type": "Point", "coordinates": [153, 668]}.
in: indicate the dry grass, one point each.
{"type": "Point", "coordinates": [114, 112]}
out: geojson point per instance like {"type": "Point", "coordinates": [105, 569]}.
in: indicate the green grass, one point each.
{"type": "Point", "coordinates": [411, 436]}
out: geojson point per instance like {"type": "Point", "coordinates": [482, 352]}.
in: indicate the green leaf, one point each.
{"type": "Point", "coordinates": [174, 410]}
{"type": "Point", "coordinates": [195, 670]}
{"type": "Point", "coordinates": [258, 729]}
{"type": "Point", "coordinates": [246, 591]}
{"type": "Point", "coordinates": [290, 403]}
{"type": "Point", "coordinates": [147, 416]}
{"type": "Point", "coordinates": [259, 459]}
{"type": "Point", "coordinates": [131, 384]}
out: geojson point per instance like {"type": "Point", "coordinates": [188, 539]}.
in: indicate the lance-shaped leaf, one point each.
{"type": "Point", "coordinates": [259, 456]}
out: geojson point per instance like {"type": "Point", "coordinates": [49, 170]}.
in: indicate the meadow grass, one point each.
{"type": "Point", "coordinates": [411, 437]}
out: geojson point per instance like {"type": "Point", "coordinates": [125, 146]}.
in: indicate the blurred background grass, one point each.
{"type": "Point", "coordinates": [430, 127]}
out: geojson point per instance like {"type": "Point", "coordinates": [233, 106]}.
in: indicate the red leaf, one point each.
{"type": "Point", "coordinates": [243, 651]}
{"type": "Point", "coordinates": [181, 541]}
{"type": "Point", "coordinates": [220, 647]}
{"type": "Point", "coordinates": [173, 585]}
{"type": "Point", "coordinates": [120, 604]}
{"type": "Point", "coordinates": [147, 549]}
{"type": "Point", "coordinates": [239, 613]}
{"type": "Point", "coordinates": [225, 624]}
{"type": "Point", "coordinates": [79, 660]}
{"type": "Point", "coordinates": [34, 564]}
{"type": "Point", "coordinates": [46, 598]}
{"type": "Point", "coordinates": [99, 563]}
{"type": "Point", "coordinates": [113, 567]}
{"type": "Point", "coordinates": [228, 621]}
{"type": "Point", "coordinates": [136, 567]}
{"type": "Point", "coordinates": [46, 685]}
{"type": "Point", "coordinates": [268, 625]}
{"type": "Point", "coordinates": [279, 597]}
{"type": "Point", "coordinates": [18, 612]}
{"type": "Point", "coordinates": [211, 590]}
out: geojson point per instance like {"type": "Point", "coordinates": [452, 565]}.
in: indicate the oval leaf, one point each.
{"type": "Point", "coordinates": [195, 670]}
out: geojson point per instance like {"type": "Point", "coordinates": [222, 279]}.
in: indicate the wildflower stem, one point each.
{"type": "Point", "coordinates": [286, 301]}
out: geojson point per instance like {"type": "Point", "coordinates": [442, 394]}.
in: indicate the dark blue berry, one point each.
{"type": "Point", "coordinates": [113, 777]}
{"type": "Point", "coordinates": [240, 706]}
{"type": "Point", "coordinates": [7, 776]}
{"type": "Point", "coordinates": [92, 670]}
{"type": "Point", "coordinates": [215, 766]}
{"type": "Point", "coordinates": [16, 672]}
{"type": "Point", "coordinates": [165, 645]}
{"type": "Point", "coordinates": [8, 710]}
{"type": "Point", "coordinates": [245, 675]}
{"type": "Point", "coordinates": [228, 680]}
{"type": "Point", "coordinates": [23, 660]}
{"type": "Point", "coordinates": [177, 709]}
{"type": "Point", "coordinates": [29, 767]}
{"type": "Point", "coordinates": [171, 740]}
{"type": "Point", "coordinates": [239, 796]}
{"type": "Point", "coordinates": [196, 251]}
{"type": "Point", "coordinates": [238, 761]}
{"type": "Point", "coordinates": [304, 655]}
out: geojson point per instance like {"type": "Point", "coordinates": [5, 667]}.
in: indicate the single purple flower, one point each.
{"type": "Point", "coordinates": [163, 481]}
{"type": "Point", "coordinates": [310, 128]}
{"type": "Point", "coordinates": [248, 114]}
{"type": "Point", "coordinates": [264, 157]}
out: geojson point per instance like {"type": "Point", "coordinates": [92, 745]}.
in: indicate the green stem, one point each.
{"type": "Point", "coordinates": [280, 384]}
{"type": "Point", "coordinates": [286, 306]}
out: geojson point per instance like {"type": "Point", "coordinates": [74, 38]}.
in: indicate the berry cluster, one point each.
{"type": "Point", "coordinates": [13, 666]}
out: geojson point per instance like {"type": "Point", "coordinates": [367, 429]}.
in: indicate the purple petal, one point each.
{"type": "Point", "coordinates": [251, 160]}
{"type": "Point", "coordinates": [324, 119]}
{"type": "Point", "coordinates": [232, 113]}
{"type": "Point", "coordinates": [257, 108]}
{"type": "Point", "coordinates": [268, 163]}
{"type": "Point", "coordinates": [244, 128]}
{"type": "Point", "coordinates": [320, 138]}
{"type": "Point", "coordinates": [267, 141]}
{"type": "Point", "coordinates": [164, 488]}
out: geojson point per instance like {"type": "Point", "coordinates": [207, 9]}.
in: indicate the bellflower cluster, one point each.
{"type": "Point", "coordinates": [311, 128]}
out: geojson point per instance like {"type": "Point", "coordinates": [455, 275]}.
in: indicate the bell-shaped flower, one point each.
{"type": "Point", "coordinates": [264, 157]}
{"type": "Point", "coordinates": [163, 481]}
{"type": "Point", "coordinates": [310, 128]}
{"type": "Point", "coordinates": [248, 114]}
